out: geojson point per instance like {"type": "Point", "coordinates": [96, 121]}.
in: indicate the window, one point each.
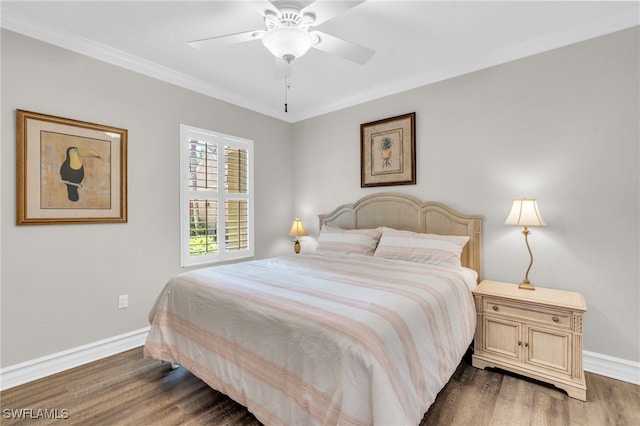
{"type": "Point", "coordinates": [216, 196]}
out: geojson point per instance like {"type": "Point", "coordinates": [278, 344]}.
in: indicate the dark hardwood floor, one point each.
{"type": "Point", "coordinates": [127, 389]}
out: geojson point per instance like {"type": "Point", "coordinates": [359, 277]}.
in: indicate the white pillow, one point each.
{"type": "Point", "coordinates": [347, 241]}
{"type": "Point", "coordinates": [433, 249]}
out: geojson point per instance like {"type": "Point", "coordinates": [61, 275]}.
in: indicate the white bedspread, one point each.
{"type": "Point", "coordinates": [319, 339]}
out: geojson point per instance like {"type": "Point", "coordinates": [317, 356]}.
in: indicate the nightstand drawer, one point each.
{"type": "Point", "coordinates": [547, 316]}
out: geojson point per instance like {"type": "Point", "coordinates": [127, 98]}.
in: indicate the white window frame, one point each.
{"type": "Point", "coordinates": [187, 134]}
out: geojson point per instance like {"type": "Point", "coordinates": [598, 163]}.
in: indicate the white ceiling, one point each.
{"type": "Point", "coordinates": [416, 43]}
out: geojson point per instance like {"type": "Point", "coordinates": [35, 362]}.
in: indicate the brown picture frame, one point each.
{"type": "Point", "coordinates": [388, 151]}
{"type": "Point", "coordinates": [69, 171]}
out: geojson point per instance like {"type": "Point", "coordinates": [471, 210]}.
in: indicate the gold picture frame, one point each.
{"type": "Point", "coordinates": [69, 171]}
{"type": "Point", "coordinates": [388, 151]}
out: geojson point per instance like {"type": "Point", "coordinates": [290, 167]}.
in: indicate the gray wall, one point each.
{"type": "Point", "coordinates": [560, 126]}
{"type": "Point", "coordinates": [60, 284]}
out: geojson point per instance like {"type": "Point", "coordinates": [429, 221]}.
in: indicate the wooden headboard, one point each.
{"type": "Point", "coordinates": [408, 213]}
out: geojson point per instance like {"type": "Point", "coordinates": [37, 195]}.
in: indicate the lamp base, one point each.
{"type": "Point", "coordinates": [526, 285]}
{"type": "Point", "coordinates": [296, 246]}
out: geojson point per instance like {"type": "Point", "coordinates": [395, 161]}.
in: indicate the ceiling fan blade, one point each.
{"type": "Point", "coordinates": [261, 6]}
{"type": "Point", "coordinates": [299, 4]}
{"type": "Point", "coordinates": [345, 49]}
{"type": "Point", "coordinates": [325, 10]}
{"type": "Point", "coordinates": [226, 40]}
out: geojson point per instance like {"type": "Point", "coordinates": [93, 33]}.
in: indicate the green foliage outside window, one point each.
{"type": "Point", "coordinates": [202, 240]}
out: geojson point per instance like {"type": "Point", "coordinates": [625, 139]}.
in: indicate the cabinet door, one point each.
{"type": "Point", "coordinates": [502, 337]}
{"type": "Point", "coordinates": [548, 348]}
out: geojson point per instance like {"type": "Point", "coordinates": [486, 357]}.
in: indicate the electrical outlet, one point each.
{"type": "Point", "coordinates": [123, 301]}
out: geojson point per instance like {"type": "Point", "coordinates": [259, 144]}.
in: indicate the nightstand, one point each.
{"type": "Point", "coordinates": [535, 333]}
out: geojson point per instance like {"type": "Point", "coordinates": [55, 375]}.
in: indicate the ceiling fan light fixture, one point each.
{"type": "Point", "coordinates": [288, 43]}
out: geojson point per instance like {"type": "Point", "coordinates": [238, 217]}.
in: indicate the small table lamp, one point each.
{"type": "Point", "coordinates": [298, 231]}
{"type": "Point", "coordinates": [524, 212]}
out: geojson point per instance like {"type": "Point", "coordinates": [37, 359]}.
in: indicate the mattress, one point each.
{"type": "Point", "coordinates": [319, 339]}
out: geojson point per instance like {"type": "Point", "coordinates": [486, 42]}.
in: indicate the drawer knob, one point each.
{"type": "Point", "coordinates": [555, 319]}
{"type": "Point", "coordinates": [495, 308]}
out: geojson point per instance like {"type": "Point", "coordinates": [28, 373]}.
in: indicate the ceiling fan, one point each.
{"type": "Point", "coordinates": [287, 34]}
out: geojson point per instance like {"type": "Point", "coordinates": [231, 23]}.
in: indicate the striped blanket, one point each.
{"type": "Point", "coordinates": [319, 339]}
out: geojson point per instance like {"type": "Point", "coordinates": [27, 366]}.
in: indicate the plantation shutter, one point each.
{"type": "Point", "coordinates": [236, 209]}
{"type": "Point", "coordinates": [217, 197]}
{"type": "Point", "coordinates": [203, 202]}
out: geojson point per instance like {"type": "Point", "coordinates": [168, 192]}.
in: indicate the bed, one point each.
{"type": "Point", "coordinates": [362, 331]}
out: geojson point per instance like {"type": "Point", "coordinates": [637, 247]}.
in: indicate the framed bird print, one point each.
{"type": "Point", "coordinates": [69, 171]}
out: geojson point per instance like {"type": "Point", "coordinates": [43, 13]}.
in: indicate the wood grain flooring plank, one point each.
{"type": "Point", "coordinates": [478, 398]}
{"type": "Point", "coordinates": [443, 408]}
{"type": "Point", "coordinates": [597, 405]}
{"type": "Point", "coordinates": [513, 403]}
{"type": "Point", "coordinates": [548, 409]}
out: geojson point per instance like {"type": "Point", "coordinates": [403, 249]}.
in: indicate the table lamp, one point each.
{"type": "Point", "coordinates": [297, 230]}
{"type": "Point", "coordinates": [524, 212]}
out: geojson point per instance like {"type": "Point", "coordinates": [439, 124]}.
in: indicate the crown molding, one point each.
{"type": "Point", "coordinates": [49, 34]}
{"type": "Point", "coordinates": [587, 31]}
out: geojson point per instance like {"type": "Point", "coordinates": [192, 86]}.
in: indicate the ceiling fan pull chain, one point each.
{"type": "Point", "coordinates": [287, 85]}
{"type": "Point", "coordinates": [285, 92]}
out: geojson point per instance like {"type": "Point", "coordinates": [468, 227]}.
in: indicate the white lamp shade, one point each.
{"type": "Point", "coordinates": [297, 229]}
{"type": "Point", "coordinates": [288, 41]}
{"type": "Point", "coordinates": [524, 212]}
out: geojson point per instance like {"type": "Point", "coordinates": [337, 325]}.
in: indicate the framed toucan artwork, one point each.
{"type": "Point", "coordinates": [69, 171]}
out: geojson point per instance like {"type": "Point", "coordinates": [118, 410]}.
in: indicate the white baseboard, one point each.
{"type": "Point", "coordinates": [615, 368]}
{"type": "Point", "coordinates": [38, 368]}
{"type": "Point", "coordinates": [15, 375]}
